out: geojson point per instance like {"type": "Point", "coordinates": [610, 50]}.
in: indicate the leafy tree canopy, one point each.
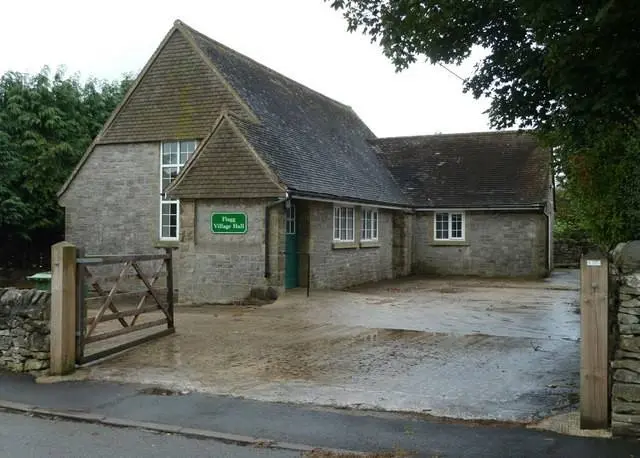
{"type": "Point", "coordinates": [47, 121]}
{"type": "Point", "coordinates": [568, 69]}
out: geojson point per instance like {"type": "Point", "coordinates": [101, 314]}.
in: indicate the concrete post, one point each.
{"type": "Point", "coordinates": [63, 308]}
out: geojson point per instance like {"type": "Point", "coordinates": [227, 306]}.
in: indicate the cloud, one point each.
{"type": "Point", "coordinates": [303, 39]}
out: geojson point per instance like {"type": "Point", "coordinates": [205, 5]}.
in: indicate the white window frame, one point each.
{"type": "Point", "coordinates": [349, 214]}
{"type": "Point", "coordinates": [369, 222]}
{"type": "Point", "coordinates": [449, 226]}
{"type": "Point", "coordinates": [182, 158]}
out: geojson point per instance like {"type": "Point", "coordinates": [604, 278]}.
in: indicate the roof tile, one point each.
{"type": "Point", "coordinates": [313, 143]}
{"type": "Point", "coordinates": [487, 169]}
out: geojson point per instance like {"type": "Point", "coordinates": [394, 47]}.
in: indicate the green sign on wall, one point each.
{"type": "Point", "coordinates": [229, 223]}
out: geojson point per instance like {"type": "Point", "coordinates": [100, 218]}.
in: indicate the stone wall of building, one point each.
{"type": "Point", "coordinates": [24, 329]}
{"type": "Point", "coordinates": [402, 243]}
{"type": "Point", "coordinates": [339, 265]}
{"type": "Point", "coordinates": [625, 339]}
{"type": "Point", "coordinates": [113, 204]}
{"type": "Point", "coordinates": [112, 207]}
{"type": "Point", "coordinates": [496, 244]}
{"type": "Point", "coordinates": [223, 268]}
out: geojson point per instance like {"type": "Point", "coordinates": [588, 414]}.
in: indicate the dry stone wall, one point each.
{"type": "Point", "coordinates": [625, 336]}
{"type": "Point", "coordinates": [24, 329]}
{"type": "Point", "coordinates": [567, 252]}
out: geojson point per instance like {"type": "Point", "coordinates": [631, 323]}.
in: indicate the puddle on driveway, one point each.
{"type": "Point", "coordinates": [481, 353]}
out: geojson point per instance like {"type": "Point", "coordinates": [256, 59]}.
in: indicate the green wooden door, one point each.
{"type": "Point", "coordinates": [291, 249]}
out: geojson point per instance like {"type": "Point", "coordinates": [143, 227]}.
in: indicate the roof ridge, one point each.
{"type": "Point", "coordinates": [268, 69]}
{"type": "Point", "coordinates": [456, 134]}
{"type": "Point", "coordinates": [236, 117]}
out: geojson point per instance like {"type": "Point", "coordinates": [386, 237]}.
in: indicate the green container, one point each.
{"type": "Point", "coordinates": [42, 280]}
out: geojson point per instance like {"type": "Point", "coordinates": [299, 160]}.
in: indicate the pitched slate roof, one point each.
{"type": "Point", "coordinates": [488, 169]}
{"type": "Point", "coordinates": [315, 145]}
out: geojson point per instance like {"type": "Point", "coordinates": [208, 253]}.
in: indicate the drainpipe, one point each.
{"type": "Point", "coordinates": [267, 268]}
{"type": "Point", "coordinates": [549, 236]}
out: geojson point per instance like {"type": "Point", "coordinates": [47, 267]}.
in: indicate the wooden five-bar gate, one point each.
{"type": "Point", "coordinates": [122, 311]}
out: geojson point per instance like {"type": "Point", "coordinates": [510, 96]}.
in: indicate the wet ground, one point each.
{"type": "Point", "coordinates": [463, 348]}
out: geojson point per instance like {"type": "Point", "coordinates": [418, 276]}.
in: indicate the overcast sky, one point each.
{"type": "Point", "coordinates": [303, 39]}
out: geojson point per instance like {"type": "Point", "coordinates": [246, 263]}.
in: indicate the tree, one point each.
{"type": "Point", "coordinates": [568, 69]}
{"type": "Point", "coordinates": [46, 123]}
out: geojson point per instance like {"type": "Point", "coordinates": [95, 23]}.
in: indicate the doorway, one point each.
{"type": "Point", "coordinates": [291, 265]}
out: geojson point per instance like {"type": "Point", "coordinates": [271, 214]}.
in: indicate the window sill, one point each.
{"type": "Point", "coordinates": [344, 245]}
{"type": "Point", "coordinates": [449, 243]}
{"type": "Point", "coordinates": [370, 244]}
{"type": "Point", "coordinates": [166, 244]}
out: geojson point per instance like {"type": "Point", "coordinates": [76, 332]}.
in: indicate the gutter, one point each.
{"type": "Point", "coordinates": [267, 268]}
{"type": "Point", "coordinates": [338, 200]}
{"type": "Point", "coordinates": [515, 208]}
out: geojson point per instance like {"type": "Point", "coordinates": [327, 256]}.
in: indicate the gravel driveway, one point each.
{"type": "Point", "coordinates": [463, 348]}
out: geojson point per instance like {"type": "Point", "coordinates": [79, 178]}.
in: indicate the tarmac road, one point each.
{"type": "Point", "coordinates": [314, 427]}
{"type": "Point", "coordinates": [23, 436]}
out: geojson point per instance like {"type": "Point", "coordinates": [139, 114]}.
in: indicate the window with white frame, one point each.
{"type": "Point", "coordinates": [173, 156]}
{"type": "Point", "coordinates": [369, 225]}
{"type": "Point", "coordinates": [449, 226]}
{"type": "Point", "coordinates": [343, 224]}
